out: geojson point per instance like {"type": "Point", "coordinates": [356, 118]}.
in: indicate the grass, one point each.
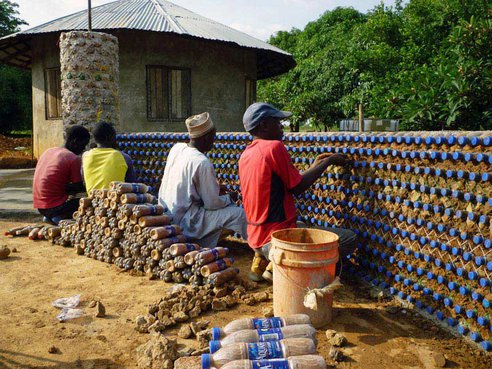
{"type": "Point", "coordinates": [20, 133]}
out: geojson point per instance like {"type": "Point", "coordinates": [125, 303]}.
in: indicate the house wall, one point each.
{"type": "Point", "coordinates": [46, 132]}
{"type": "Point", "coordinates": [218, 74]}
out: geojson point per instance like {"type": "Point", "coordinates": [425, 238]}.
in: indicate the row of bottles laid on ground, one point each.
{"type": "Point", "coordinates": [277, 343]}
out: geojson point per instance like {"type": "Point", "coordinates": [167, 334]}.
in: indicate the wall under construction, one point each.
{"type": "Point", "coordinates": [421, 204]}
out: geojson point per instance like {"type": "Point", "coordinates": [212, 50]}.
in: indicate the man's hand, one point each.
{"type": "Point", "coordinates": [340, 160]}
{"type": "Point", "coordinates": [320, 159]}
{"type": "Point", "coordinates": [223, 190]}
{"type": "Point", "coordinates": [234, 196]}
{"type": "Point", "coordinates": [331, 159]}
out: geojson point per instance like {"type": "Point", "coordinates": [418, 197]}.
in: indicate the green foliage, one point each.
{"type": "Point", "coordinates": [428, 63]}
{"type": "Point", "coordinates": [15, 99]}
{"type": "Point", "coordinates": [9, 22]}
{"type": "Point", "coordinates": [15, 84]}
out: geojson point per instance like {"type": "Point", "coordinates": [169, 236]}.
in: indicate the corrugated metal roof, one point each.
{"type": "Point", "coordinates": [162, 16]}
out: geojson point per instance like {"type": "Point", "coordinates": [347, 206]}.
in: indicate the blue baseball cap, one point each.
{"type": "Point", "coordinates": [258, 111]}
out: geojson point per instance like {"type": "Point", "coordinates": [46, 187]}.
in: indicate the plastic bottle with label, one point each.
{"type": "Point", "coordinates": [259, 323]}
{"type": "Point", "coordinates": [257, 351]}
{"type": "Point", "coordinates": [265, 335]}
{"type": "Point", "coordinates": [294, 362]}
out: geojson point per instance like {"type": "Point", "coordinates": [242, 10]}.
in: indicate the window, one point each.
{"type": "Point", "coordinates": [168, 93]}
{"type": "Point", "coordinates": [52, 93]}
{"type": "Point", "coordinates": [250, 91]}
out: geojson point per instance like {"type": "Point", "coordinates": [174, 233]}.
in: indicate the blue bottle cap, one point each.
{"type": "Point", "coordinates": [487, 243]}
{"type": "Point", "coordinates": [452, 322]}
{"type": "Point", "coordinates": [486, 345]}
{"type": "Point", "coordinates": [476, 296]}
{"type": "Point", "coordinates": [216, 333]}
{"type": "Point", "coordinates": [475, 337]}
{"type": "Point", "coordinates": [206, 360]}
{"type": "Point", "coordinates": [462, 329]}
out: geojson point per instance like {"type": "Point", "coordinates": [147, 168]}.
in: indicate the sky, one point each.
{"type": "Point", "coordinates": [258, 18]}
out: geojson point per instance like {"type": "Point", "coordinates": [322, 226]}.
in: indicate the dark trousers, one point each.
{"type": "Point", "coordinates": [63, 211]}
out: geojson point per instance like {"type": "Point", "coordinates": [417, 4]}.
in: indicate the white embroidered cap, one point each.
{"type": "Point", "coordinates": [199, 125]}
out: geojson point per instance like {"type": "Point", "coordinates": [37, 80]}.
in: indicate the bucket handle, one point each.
{"type": "Point", "coordinates": [278, 257]}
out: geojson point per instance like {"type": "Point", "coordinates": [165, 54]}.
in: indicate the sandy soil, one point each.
{"type": "Point", "coordinates": [40, 273]}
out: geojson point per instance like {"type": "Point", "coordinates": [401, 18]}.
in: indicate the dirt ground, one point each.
{"type": "Point", "coordinates": [39, 273]}
{"type": "Point", "coordinates": [16, 153]}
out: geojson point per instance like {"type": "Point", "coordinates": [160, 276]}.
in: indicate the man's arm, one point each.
{"type": "Point", "coordinates": [208, 188]}
{"type": "Point", "coordinates": [130, 173]}
{"type": "Point", "coordinates": [76, 183]}
{"type": "Point", "coordinates": [319, 166]}
{"type": "Point", "coordinates": [73, 188]}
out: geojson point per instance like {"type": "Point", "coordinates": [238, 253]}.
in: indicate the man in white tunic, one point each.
{"type": "Point", "coordinates": [190, 190]}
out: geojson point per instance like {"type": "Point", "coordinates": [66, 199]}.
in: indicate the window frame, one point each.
{"type": "Point", "coordinates": [252, 82]}
{"type": "Point", "coordinates": [167, 70]}
{"type": "Point", "coordinates": [46, 94]}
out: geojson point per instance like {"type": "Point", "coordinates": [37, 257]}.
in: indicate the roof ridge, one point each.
{"type": "Point", "coordinates": [169, 17]}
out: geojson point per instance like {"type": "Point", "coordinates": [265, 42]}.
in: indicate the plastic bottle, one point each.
{"type": "Point", "coordinates": [265, 335]}
{"type": "Point", "coordinates": [295, 362]}
{"type": "Point", "coordinates": [259, 323]}
{"type": "Point", "coordinates": [258, 351]}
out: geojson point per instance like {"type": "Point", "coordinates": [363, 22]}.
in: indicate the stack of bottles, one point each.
{"type": "Point", "coordinates": [124, 226]}
{"type": "Point", "coordinates": [277, 343]}
{"type": "Point", "coordinates": [420, 202]}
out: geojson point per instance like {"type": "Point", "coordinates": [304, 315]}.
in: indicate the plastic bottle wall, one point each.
{"type": "Point", "coordinates": [421, 204]}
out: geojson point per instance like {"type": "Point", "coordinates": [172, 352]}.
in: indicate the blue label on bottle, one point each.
{"type": "Point", "coordinates": [221, 265]}
{"type": "Point", "coordinates": [190, 247]}
{"type": "Point", "coordinates": [215, 253]}
{"type": "Point", "coordinates": [135, 187]}
{"type": "Point", "coordinates": [273, 334]}
{"type": "Point", "coordinates": [171, 230]}
{"type": "Point", "coordinates": [265, 350]}
{"type": "Point", "coordinates": [270, 364]}
{"type": "Point", "coordinates": [265, 323]}
{"type": "Point", "coordinates": [152, 210]}
{"type": "Point", "coordinates": [141, 198]}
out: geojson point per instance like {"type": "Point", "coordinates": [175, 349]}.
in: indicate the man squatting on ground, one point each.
{"type": "Point", "coordinates": [190, 191]}
{"type": "Point", "coordinates": [57, 177]}
{"type": "Point", "coordinates": [269, 181]}
{"type": "Point", "coordinates": [105, 164]}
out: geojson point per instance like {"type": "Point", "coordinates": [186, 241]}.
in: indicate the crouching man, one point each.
{"type": "Point", "coordinates": [105, 163]}
{"type": "Point", "coordinates": [190, 191]}
{"type": "Point", "coordinates": [269, 182]}
{"type": "Point", "coordinates": [57, 176]}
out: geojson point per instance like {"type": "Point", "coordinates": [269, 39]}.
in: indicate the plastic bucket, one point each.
{"type": "Point", "coordinates": [303, 259]}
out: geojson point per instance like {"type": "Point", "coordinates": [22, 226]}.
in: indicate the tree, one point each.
{"type": "Point", "coordinates": [428, 63]}
{"type": "Point", "coordinates": [15, 84]}
{"type": "Point", "coordinates": [9, 22]}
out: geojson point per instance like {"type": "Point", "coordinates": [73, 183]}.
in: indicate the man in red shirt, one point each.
{"type": "Point", "coordinates": [269, 182]}
{"type": "Point", "coordinates": [57, 175]}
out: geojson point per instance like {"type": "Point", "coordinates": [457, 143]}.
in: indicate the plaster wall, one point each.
{"type": "Point", "coordinates": [218, 75]}
{"type": "Point", "coordinates": [46, 132]}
